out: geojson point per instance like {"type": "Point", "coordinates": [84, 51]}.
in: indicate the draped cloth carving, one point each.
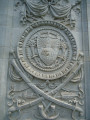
{"type": "Point", "coordinates": [45, 6]}
{"type": "Point", "coordinates": [42, 9]}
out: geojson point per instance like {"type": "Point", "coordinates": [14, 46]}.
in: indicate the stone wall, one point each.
{"type": "Point", "coordinates": [10, 32]}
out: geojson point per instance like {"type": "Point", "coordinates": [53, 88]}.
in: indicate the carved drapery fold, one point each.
{"type": "Point", "coordinates": [41, 10]}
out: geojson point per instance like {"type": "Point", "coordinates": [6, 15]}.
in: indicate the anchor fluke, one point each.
{"type": "Point", "coordinates": [43, 114]}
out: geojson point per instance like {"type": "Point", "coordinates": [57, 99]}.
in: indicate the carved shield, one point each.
{"type": "Point", "coordinates": [48, 49]}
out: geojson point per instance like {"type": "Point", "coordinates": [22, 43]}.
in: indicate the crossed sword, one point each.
{"type": "Point", "coordinates": [42, 94]}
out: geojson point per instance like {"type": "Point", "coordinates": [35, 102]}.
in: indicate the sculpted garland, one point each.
{"type": "Point", "coordinates": [47, 62]}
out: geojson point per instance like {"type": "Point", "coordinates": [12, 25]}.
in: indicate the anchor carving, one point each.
{"type": "Point", "coordinates": [43, 114]}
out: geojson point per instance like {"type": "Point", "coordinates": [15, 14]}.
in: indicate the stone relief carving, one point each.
{"type": "Point", "coordinates": [46, 76]}
{"type": "Point", "coordinates": [47, 50]}
{"type": "Point", "coordinates": [63, 11]}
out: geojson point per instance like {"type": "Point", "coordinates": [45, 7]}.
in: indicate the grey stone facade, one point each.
{"type": "Point", "coordinates": [57, 87]}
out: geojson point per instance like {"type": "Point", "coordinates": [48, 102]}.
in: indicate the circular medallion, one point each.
{"type": "Point", "coordinates": [47, 50]}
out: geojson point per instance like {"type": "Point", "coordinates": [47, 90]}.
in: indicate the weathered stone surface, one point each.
{"type": "Point", "coordinates": [44, 60]}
